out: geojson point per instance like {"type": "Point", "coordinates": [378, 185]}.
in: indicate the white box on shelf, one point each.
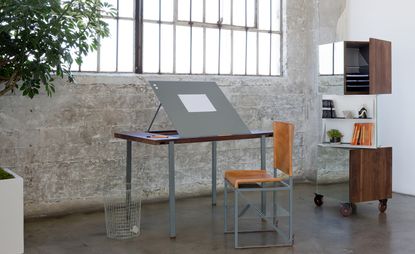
{"type": "Point", "coordinates": [11, 214]}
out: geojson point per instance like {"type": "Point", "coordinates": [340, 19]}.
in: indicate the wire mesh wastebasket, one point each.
{"type": "Point", "coordinates": [122, 211]}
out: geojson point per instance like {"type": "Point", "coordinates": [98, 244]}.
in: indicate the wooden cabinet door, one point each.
{"type": "Point", "coordinates": [380, 66]}
{"type": "Point", "coordinates": [370, 174]}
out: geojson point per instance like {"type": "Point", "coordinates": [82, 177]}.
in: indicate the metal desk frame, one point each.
{"type": "Point", "coordinates": [171, 139]}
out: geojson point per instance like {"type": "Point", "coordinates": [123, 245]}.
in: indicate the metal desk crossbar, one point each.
{"type": "Point", "coordinates": [171, 138]}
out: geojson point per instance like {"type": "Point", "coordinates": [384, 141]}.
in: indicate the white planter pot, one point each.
{"type": "Point", "coordinates": [11, 215]}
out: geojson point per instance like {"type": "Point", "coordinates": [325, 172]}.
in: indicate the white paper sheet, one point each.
{"type": "Point", "coordinates": [197, 103]}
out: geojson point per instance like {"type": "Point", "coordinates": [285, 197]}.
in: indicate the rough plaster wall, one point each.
{"type": "Point", "coordinates": [64, 147]}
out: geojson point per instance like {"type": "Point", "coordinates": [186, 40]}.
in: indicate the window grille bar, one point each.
{"type": "Point", "coordinates": [159, 36]}
{"type": "Point", "coordinates": [138, 36]}
{"type": "Point", "coordinates": [211, 25]}
{"type": "Point", "coordinates": [270, 36]}
{"type": "Point", "coordinates": [191, 36]}
{"type": "Point", "coordinates": [117, 36]}
{"type": "Point", "coordinates": [175, 7]}
{"type": "Point", "coordinates": [246, 37]}
{"type": "Point", "coordinates": [99, 55]}
{"type": "Point", "coordinates": [231, 37]}
{"type": "Point", "coordinates": [257, 53]}
{"type": "Point", "coordinates": [219, 31]}
{"type": "Point", "coordinates": [204, 38]}
{"type": "Point", "coordinates": [281, 70]}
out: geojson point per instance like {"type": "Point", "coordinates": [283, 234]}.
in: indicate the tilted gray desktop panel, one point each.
{"type": "Point", "coordinates": [221, 119]}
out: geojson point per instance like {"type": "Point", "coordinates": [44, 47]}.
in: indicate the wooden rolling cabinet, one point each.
{"type": "Point", "coordinates": [356, 73]}
{"type": "Point", "coordinates": [370, 174]}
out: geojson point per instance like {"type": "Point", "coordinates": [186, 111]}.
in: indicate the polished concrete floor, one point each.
{"type": "Point", "coordinates": [200, 229]}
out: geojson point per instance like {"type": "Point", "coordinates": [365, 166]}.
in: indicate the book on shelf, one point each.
{"type": "Point", "coordinates": [362, 134]}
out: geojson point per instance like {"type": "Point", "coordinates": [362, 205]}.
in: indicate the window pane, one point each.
{"type": "Point", "coordinates": [108, 48]}
{"type": "Point", "coordinates": [239, 12]}
{"type": "Point", "coordinates": [339, 57]}
{"type": "Point", "coordinates": [126, 8]}
{"type": "Point", "coordinates": [239, 52]}
{"type": "Point", "coordinates": [182, 49]}
{"type": "Point", "coordinates": [151, 9]}
{"type": "Point", "coordinates": [225, 11]}
{"type": "Point", "coordinates": [275, 54]}
{"type": "Point", "coordinates": [251, 53]}
{"type": "Point", "coordinates": [183, 12]}
{"type": "Point", "coordinates": [326, 59]}
{"type": "Point", "coordinates": [250, 13]}
{"type": "Point", "coordinates": [197, 10]}
{"type": "Point", "coordinates": [275, 15]}
{"type": "Point", "coordinates": [126, 46]}
{"type": "Point", "coordinates": [212, 50]}
{"type": "Point", "coordinates": [167, 10]}
{"type": "Point", "coordinates": [225, 52]}
{"type": "Point", "coordinates": [263, 53]}
{"type": "Point", "coordinates": [150, 47]}
{"type": "Point", "coordinates": [197, 50]}
{"type": "Point", "coordinates": [264, 14]}
{"type": "Point", "coordinates": [212, 11]}
{"type": "Point", "coordinates": [166, 61]}
{"type": "Point", "coordinates": [89, 62]}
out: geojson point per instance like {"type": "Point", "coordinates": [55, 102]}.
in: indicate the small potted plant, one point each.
{"type": "Point", "coordinates": [11, 212]}
{"type": "Point", "coordinates": [335, 136]}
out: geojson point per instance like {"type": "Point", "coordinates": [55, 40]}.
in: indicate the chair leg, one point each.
{"type": "Point", "coordinates": [275, 202]}
{"type": "Point", "coordinates": [236, 218]}
{"type": "Point", "coordinates": [274, 207]}
{"type": "Point", "coordinates": [291, 211]}
{"type": "Point", "coordinates": [225, 208]}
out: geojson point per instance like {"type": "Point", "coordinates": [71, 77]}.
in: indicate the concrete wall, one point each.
{"type": "Point", "coordinates": [332, 24]}
{"type": "Point", "coordinates": [396, 121]}
{"type": "Point", "coordinates": [64, 147]}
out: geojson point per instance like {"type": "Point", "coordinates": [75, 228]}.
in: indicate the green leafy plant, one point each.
{"type": "Point", "coordinates": [40, 39]}
{"type": "Point", "coordinates": [5, 175]}
{"type": "Point", "coordinates": [334, 133]}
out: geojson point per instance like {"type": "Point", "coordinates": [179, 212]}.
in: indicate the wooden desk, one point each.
{"type": "Point", "coordinates": [170, 138]}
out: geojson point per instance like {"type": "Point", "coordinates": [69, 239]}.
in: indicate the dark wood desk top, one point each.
{"type": "Point", "coordinates": [164, 137]}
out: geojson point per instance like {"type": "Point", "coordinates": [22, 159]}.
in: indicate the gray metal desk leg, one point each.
{"type": "Point", "coordinates": [128, 169]}
{"type": "Point", "coordinates": [214, 170]}
{"type": "Point", "coordinates": [263, 167]}
{"type": "Point", "coordinates": [128, 179]}
{"type": "Point", "coordinates": [172, 198]}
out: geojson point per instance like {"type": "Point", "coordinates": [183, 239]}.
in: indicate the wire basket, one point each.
{"type": "Point", "coordinates": [122, 212]}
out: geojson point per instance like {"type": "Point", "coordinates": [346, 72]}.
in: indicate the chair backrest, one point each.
{"type": "Point", "coordinates": [283, 147]}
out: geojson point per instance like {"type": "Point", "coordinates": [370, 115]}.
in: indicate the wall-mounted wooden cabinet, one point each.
{"type": "Point", "coordinates": [365, 66]}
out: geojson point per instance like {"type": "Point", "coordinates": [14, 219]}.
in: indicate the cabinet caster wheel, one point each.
{"type": "Point", "coordinates": [318, 199]}
{"type": "Point", "coordinates": [383, 205]}
{"type": "Point", "coordinates": [346, 209]}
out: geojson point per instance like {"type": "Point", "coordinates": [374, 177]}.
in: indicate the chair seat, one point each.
{"type": "Point", "coordinates": [237, 177]}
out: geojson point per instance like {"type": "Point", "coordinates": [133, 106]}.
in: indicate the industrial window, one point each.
{"type": "Point", "coordinates": [241, 37]}
{"type": "Point", "coordinates": [116, 53]}
{"type": "Point", "coordinates": [232, 37]}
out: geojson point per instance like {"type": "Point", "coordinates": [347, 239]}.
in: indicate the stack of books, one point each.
{"type": "Point", "coordinates": [362, 134]}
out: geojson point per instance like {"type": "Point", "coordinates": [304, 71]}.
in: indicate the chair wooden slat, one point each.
{"type": "Point", "coordinates": [283, 147]}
